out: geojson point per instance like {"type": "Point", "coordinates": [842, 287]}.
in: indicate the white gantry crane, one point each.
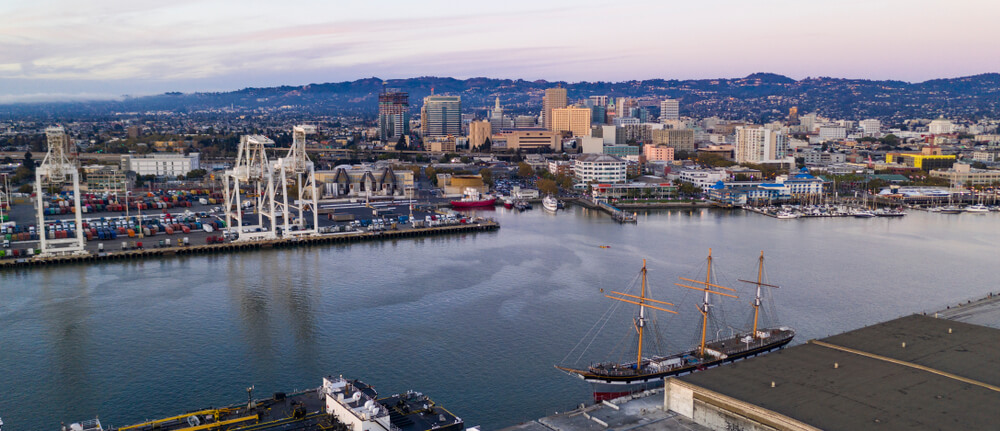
{"type": "Point", "coordinates": [253, 170]}
{"type": "Point", "coordinates": [56, 170]}
{"type": "Point", "coordinates": [297, 171]}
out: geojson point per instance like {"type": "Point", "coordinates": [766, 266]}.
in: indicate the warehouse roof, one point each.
{"type": "Point", "coordinates": [866, 378]}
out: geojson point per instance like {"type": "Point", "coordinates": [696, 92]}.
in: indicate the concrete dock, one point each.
{"type": "Point", "coordinates": [641, 412]}
{"type": "Point", "coordinates": [346, 237]}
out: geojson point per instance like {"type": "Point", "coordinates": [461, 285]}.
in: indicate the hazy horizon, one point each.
{"type": "Point", "coordinates": [62, 50]}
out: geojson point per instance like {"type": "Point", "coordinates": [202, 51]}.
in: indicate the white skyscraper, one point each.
{"type": "Point", "coordinates": [871, 127]}
{"type": "Point", "coordinates": [757, 144]}
{"type": "Point", "coordinates": [670, 109]}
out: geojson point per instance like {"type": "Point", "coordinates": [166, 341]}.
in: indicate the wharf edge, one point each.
{"type": "Point", "coordinates": [485, 226]}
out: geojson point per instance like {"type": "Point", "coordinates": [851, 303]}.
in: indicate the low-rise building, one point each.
{"type": "Point", "coordinates": [161, 165]}
{"type": "Point", "coordinates": [703, 178]}
{"type": "Point", "coordinates": [963, 175]}
{"type": "Point", "coordinates": [363, 180]}
{"type": "Point", "coordinates": [600, 168]}
{"type": "Point", "coordinates": [658, 188]}
{"type": "Point", "coordinates": [658, 152]}
{"type": "Point", "coordinates": [560, 167]}
{"type": "Point", "coordinates": [823, 158]}
{"type": "Point", "coordinates": [533, 139]}
{"type": "Point", "coordinates": [622, 150]}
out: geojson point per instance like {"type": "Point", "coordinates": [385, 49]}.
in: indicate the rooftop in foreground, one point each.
{"type": "Point", "coordinates": [915, 372]}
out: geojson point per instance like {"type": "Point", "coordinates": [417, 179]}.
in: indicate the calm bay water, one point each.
{"type": "Point", "coordinates": [475, 321]}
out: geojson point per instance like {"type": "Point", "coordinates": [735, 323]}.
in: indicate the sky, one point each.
{"type": "Point", "coordinates": [71, 49]}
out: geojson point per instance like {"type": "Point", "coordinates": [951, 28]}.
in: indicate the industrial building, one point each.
{"type": "Point", "coordinates": [161, 165]}
{"type": "Point", "coordinates": [915, 372]}
{"type": "Point", "coordinates": [361, 181]}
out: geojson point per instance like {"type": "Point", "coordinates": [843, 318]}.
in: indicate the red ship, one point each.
{"type": "Point", "coordinates": [474, 199]}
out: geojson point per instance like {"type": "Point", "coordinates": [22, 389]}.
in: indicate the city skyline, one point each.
{"type": "Point", "coordinates": [58, 50]}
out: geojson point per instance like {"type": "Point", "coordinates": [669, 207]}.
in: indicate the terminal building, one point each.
{"type": "Point", "coordinates": [915, 372]}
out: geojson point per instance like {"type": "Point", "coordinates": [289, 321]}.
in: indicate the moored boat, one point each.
{"type": "Point", "coordinates": [550, 203]}
{"type": "Point", "coordinates": [339, 404]}
{"type": "Point", "coordinates": [474, 199]}
{"type": "Point", "coordinates": [614, 379]}
{"type": "Point", "coordinates": [977, 209]}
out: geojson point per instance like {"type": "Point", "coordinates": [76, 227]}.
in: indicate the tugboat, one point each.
{"type": "Point", "coordinates": [614, 379]}
{"type": "Point", "coordinates": [474, 199]}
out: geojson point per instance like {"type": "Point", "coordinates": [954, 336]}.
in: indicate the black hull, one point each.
{"type": "Point", "coordinates": [609, 387]}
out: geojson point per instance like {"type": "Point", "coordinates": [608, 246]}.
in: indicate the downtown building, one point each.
{"type": "Point", "coordinates": [670, 109]}
{"type": "Point", "coordinates": [441, 116]}
{"type": "Point", "coordinates": [572, 119]}
{"type": "Point", "coordinates": [393, 115]}
{"type": "Point", "coordinates": [759, 145]}
{"type": "Point", "coordinates": [554, 98]}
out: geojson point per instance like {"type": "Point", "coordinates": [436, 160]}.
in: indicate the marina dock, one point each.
{"type": "Point", "coordinates": [336, 238]}
{"type": "Point", "coordinates": [615, 213]}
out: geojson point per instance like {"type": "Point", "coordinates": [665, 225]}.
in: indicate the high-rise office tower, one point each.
{"type": "Point", "coordinates": [554, 98]}
{"type": "Point", "coordinates": [573, 119]}
{"type": "Point", "coordinates": [599, 100]}
{"type": "Point", "coordinates": [670, 109]}
{"type": "Point", "coordinates": [393, 115]}
{"type": "Point", "coordinates": [441, 116]}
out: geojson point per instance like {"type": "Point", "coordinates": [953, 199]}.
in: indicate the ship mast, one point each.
{"type": "Point", "coordinates": [707, 288]}
{"type": "Point", "coordinates": [640, 323]}
{"type": "Point", "coordinates": [759, 283]}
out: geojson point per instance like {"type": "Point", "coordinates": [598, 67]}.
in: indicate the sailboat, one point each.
{"type": "Point", "coordinates": [614, 379]}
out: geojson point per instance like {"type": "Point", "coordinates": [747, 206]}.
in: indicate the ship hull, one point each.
{"type": "Point", "coordinates": [610, 387]}
{"type": "Point", "coordinates": [474, 204]}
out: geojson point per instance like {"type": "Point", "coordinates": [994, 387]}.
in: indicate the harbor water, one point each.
{"type": "Point", "coordinates": [476, 321]}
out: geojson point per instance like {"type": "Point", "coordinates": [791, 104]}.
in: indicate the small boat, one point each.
{"type": "Point", "coordinates": [508, 202]}
{"type": "Point", "coordinates": [890, 213]}
{"type": "Point", "coordinates": [550, 203]}
{"type": "Point", "coordinates": [864, 214]}
{"type": "Point", "coordinates": [605, 246]}
{"type": "Point", "coordinates": [977, 209]}
{"type": "Point", "coordinates": [474, 199]}
{"type": "Point", "coordinates": [950, 209]}
{"type": "Point", "coordinates": [786, 215]}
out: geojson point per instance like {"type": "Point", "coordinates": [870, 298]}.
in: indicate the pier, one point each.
{"type": "Point", "coordinates": [615, 213]}
{"type": "Point", "coordinates": [238, 246]}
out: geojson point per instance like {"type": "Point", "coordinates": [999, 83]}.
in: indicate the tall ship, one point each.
{"type": "Point", "coordinates": [472, 198]}
{"type": "Point", "coordinates": [338, 405]}
{"type": "Point", "coordinates": [550, 203]}
{"type": "Point", "coordinates": [613, 379]}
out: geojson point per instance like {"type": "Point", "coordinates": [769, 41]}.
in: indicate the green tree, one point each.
{"type": "Point", "coordinates": [890, 140]}
{"type": "Point", "coordinates": [401, 143]}
{"type": "Point", "coordinates": [487, 146]}
{"type": "Point", "coordinates": [548, 187]}
{"type": "Point", "coordinates": [195, 174]}
{"type": "Point", "coordinates": [28, 162]}
{"type": "Point", "coordinates": [525, 170]}
{"type": "Point", "coordinates": [713, 160]}
{"type": "Point", "coordinates": [487, 175]}
{"type": "Point", "coordinates": [431, 175]}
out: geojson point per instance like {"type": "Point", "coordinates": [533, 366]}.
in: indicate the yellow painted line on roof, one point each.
{"type": "Point", "coordinates": [907, 364]}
